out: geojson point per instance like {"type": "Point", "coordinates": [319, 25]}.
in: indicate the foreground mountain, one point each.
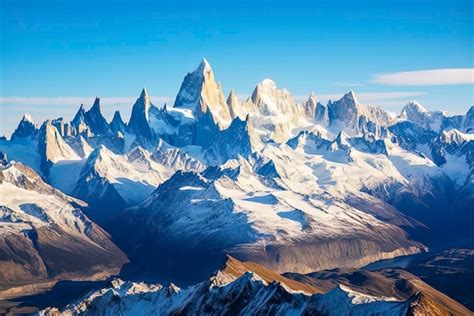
{"type": "Point", "coordinates": [243, 288]}
{"type": "Point", "coordinates": [45, 235]}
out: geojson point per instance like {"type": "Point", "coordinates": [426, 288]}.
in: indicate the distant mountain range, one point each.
{"type": "Point", "coordinates": [297, 187]}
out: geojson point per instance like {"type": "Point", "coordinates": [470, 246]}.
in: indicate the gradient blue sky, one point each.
{"type": "Point", "coordinates": [56, 54]}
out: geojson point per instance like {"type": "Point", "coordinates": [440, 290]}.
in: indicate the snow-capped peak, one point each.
{"type": "Point", "coordinates": [310, 105]}
{"type": "Point", "coordinates": [28, 118]}
{"type": "Point", "coordinates": [313, 98]}
{"type": "Point", "coordinates": [268, 83]}
{"type": "Point", "coordinates": [139, 122]}
{"type": "Point", "coordinates": [117, 117]}
{"type": "Point", "coordinates": [455, 136]}
{"type": "Point", "coordinates": [351, 97]}
{"type": "Point", "coordinates": [414, 106]}
{"type": "Point", "coordinates": [413, 111]}
{"type": "Point", "coordinates": [95, 120]}
{"type": "Point", "coordinates": [26, 128]}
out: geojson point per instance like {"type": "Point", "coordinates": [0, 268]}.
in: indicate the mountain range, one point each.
{"type": "Point", "coordinates": [295, 187]}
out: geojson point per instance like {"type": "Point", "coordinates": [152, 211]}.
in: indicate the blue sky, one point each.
{"type": "Point", "coordinates": [56, 54]}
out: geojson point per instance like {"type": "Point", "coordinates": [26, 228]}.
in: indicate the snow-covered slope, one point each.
{"type": "Point", "coordinates": [45, 235]}
{"type": "Point", "coordinates": [118, 181]}
{"type": "Point", "coordinates": [282, 207]}
{"type": "Point", "coordinates": [436, 121]}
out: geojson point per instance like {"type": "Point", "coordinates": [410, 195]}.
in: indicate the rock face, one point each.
{"type": "Point", "coordinates": [243, 288]}
{"type": "Point", "coordinates": [46, 236]}
{"type": "Point", "coordinates": [52, 147]}
{"type": "Point", "coordinates": [234, 106]}
{"type": "Point", "coordinates": [79, 122]}
{"type": "Point", "coordinates": [139, 120]}
{"type": "Point", "coordinates": [117, 124]}
{"type": "Point", "coordinates": [95, 120]}
{"type": "Point", "coordinates": [201, 94]}
{"type": "Point", "coordinates": [310, 108]}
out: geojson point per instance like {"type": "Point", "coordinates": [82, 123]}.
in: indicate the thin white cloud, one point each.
{"type": "Point", "coordinates": [368, 97]}
{"type": "Point", "coordinates": [76, 100]}
{"type": "Point", "coordinates": [347, 84]}
{"type": "Point", "coordinates": [430, 77]}
{"type": "Point", "coordinates": [42, 108]}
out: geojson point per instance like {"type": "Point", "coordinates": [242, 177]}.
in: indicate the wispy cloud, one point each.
{"type": "Point", "coordinates": [378, 98]}
{"type": "Point", "coordinates": [347, 84]}
{"type": "Point", "coordinates": [42, 108]}
{"type": "Point", "coordinates": [76, 100]}
{"type": "Point", "coordinates": [430, 77]}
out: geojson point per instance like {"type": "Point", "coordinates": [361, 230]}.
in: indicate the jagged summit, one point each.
{"type": "Point", "coordinates": [144, 96]}
{"type": "Point", "coordinates": [267, 82]}
{"type": "Point", "coordinates": [96, 104]}
{"type": "Point", "coordinates": [139, 119]}
{"type": "Point", "coordinates": [95, 120]}
{"type": "Point", "coordinates": [312, 96]}
{"type": "Point", "coordinates": [351, 94]}
{"type": "Point", "coordinates": [28, 118]}
{"type": "Point", "coordinates": [413, 110]}
{"type": "Point", "coordinates": [415, 106]}
{"type": "Point", "coordinates": [117, 116]}
{"type": "Point", "coordinates": [432, 120]}
{"type": "Point", "coordinates": [204, 66]}
{"type": "Point", "coordinates": [350, 99]}
{"type": "Point", "coordinates": [79, 116]}
{"type": "Point", "coordinates": [235, 106]}
{"type": "Point", "coordinates": [26, 128]}
{"type": "Point", "coordinates": [117, 124]}
{"type": "Point", "coordinates": [455, 136]}
{"type": "Point", "coordinates": [269, 100]}
{"type": "Point", "coordinates": [349, 114]}
{"type": "Point", "coordinates": [200, 93]}
{"type": "Point", "coordinates": [265, 88]}
{"type": "Point", "coordinates": [310, 105]}
{"type": "Point", "coordinates": [79, 121]}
